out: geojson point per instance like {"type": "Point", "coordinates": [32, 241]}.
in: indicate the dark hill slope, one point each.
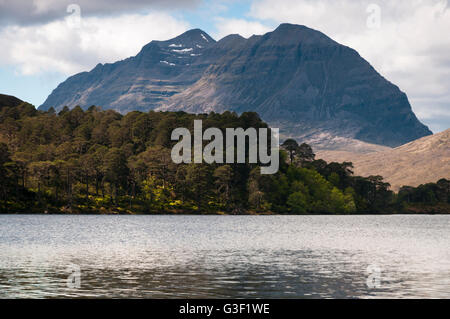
{"type": "Point", "coordinates": [8, 100]}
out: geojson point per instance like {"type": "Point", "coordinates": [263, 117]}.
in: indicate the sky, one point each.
{"type": "Point", "coordinates": [42, 42]}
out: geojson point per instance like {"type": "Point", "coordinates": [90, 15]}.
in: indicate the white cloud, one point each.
{"type": "Point", "coordinates": [69, 48]}
{"type": "Point", "coordinates": [411, 47]}
{"type": "Point", "coordinates": [26, 12]}
{"type": "Point", "coordinates": [239, 26]}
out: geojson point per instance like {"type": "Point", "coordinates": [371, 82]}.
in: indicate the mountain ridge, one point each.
{"type": "Point", "coordinates": [295, 77]}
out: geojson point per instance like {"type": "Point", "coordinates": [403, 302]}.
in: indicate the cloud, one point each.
{"type": "Point", "coordinates": [239, 26]}
{"type": "Point", "coordinates": [26, 12]}
{"type": "Point", "coordinates": [70, 45]}
{"type": "Point", "coordinates": [410, 47]}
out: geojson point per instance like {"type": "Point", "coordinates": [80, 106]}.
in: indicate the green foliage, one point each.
{"type": "Point", "coordinates": [299, 203]}
{"type": "Point", "coordinates": [97, 161]}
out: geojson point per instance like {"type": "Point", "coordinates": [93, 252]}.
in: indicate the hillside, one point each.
{"type": "Point", "coordinates": [8, 100]}
{"type": "Point", "coordinates": [103, 162]}
{"type": "Point", "coordinates": [96, 161]}
{"type": "Point", "coordinates": [422, 161]}
{"type": "Point", "coordinates": [296, 78]}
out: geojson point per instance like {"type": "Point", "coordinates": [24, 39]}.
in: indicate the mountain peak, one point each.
{"type": "Point", "coordinates": [231, 41]}
{"type": "Point", "coordinates": [291, 26]}
{"type": "Point", "coordinates": [193, 37]}
{"type": "Point", "coordinates": [296, 32]}
{"type": "Point", "coordinates": [188, 43]}
{"type": "Point", "coordinates": [232, 37]}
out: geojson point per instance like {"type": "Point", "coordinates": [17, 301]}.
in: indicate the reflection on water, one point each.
{"type": "Point", "coordinates": [225, 256]}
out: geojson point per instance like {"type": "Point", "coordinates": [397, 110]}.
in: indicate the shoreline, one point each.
{"type": "Point", "coordinates": [226, 214]}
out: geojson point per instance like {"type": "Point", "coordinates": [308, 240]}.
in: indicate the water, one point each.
{"type": "Point", "coordinates": [225, 256]}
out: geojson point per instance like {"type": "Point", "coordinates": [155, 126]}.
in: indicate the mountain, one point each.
{"type": "Point", "coordinates": [296, 78]}
{"type": "Point", "coordinates": [425, 160]}
{"type": "Point", "coordinates": [161, 69]}
{"type": "Point", "coordinates": [8, 100]}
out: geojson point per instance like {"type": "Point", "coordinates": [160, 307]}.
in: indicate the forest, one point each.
{"type": "Point", "coordinates": [93, 161]}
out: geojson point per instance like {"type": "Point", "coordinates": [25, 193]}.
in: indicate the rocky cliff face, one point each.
{"type": "Point", "coordinates": [296, 78]}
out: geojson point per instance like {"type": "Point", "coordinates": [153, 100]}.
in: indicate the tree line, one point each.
{"type": "Point", "coordinates": [95, 161]}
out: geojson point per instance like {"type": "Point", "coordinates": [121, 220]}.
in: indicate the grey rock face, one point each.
{"type": "Point", "coordinates": [160, 70]}
{"type": "Point", "coordinates": [296, 78]}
